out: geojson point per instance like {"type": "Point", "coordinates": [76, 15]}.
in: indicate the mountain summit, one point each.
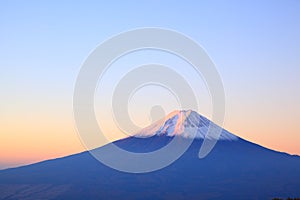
{"type": "Point", "coordinates": [185, 123]}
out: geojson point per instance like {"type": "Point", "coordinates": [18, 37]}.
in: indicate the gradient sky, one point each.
{"type": "Point", "coordinates": [254, 44]}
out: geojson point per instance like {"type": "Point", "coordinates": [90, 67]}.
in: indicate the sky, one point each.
{"type": "Point", "coordinates": [255, 46]}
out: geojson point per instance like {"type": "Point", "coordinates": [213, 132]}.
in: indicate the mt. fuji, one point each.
{"type": "Point", "coordinates": [234, 169]}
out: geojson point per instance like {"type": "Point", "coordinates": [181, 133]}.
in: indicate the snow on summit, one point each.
{"type": "Point", "coordinates": [185, 123]}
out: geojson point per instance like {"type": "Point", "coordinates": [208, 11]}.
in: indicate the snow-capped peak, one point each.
{"type": "Point", "coordinates": [186, 123]}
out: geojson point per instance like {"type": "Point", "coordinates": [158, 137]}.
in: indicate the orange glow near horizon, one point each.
{"type": "Point", "coordinates": [31, 139]}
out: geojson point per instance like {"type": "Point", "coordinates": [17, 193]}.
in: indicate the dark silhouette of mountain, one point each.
{"type": "Point", "coordinates": [235, 169]}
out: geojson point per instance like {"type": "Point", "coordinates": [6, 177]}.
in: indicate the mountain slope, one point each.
{"type": "Point", "coordinates": [235, 169]}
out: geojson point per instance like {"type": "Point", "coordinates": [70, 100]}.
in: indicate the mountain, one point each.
{"type": "Point", "coordinates": [235, 169]}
